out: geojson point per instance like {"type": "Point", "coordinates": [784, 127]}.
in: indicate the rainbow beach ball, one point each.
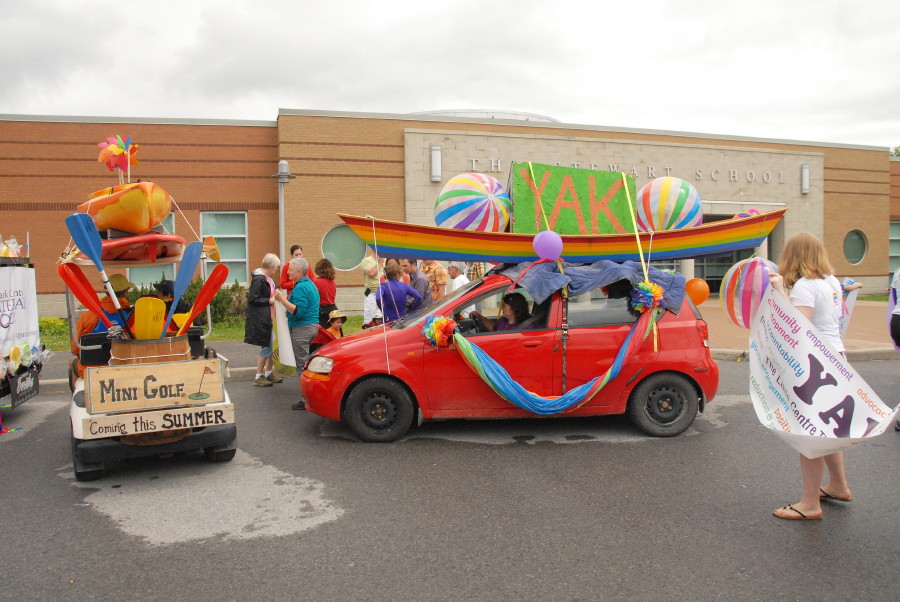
{"type": "Point", "coordinates": [743, 288]}
{"type": "Point", "coordinates": [473, 201]}
{"type": "Point", "coordinates": [668, 204]}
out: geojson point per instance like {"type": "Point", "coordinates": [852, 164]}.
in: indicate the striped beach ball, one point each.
{"type": "Point", "coordinates": [473, 201]}
{"type": "Point", "coordinates": [668, 204]}
{"type": "Point", "coordinates": [743, 288]}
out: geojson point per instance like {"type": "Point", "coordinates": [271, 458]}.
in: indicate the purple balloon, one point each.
{"type": "Point", "coordinates": [548, 245]}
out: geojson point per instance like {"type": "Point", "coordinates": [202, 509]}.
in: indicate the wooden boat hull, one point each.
{"type": "Point", "coordinates": [134, 208]}
{"type": "Point", "coordinates": [403, 240]}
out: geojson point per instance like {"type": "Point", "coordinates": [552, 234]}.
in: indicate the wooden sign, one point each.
{"type": "Point", "coordinates": [159, 421]}
{"type": "Point", "coordinates": [149, 386]}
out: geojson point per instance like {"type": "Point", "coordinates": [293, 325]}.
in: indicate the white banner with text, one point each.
{"type": "Point", "coordinates": [803, 390]}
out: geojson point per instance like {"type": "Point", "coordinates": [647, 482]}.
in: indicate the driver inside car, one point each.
{"type": "Point", "coordinates": [513, 313]}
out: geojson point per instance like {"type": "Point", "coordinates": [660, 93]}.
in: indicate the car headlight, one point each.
{"type": "Point", "coordinates": [320, 364]}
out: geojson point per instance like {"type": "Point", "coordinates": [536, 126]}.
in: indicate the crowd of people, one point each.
{"type": "Point", "coordinates": [391, 289]}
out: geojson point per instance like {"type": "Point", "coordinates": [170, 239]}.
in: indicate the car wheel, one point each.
{"type": "Point", "coordinates": [379, 409]}
{"type": "Point", "coordinates": [85, 472]}
{"type": "Point", "coordinates": [215, 454]}
{"type": "Point", "coordinates": [663, 405]}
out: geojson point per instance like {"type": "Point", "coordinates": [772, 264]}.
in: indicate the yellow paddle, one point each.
{"type": "Point", "coordinates": [149, 315]}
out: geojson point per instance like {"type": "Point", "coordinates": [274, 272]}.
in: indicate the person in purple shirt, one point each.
{"type": "Point", "coordinates": [513, 312]}
{"type": "Point", "coordinates": [391, 295]}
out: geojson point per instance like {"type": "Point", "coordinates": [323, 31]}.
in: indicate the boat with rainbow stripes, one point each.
{"type": "Point", "coordinates": [415, 241]}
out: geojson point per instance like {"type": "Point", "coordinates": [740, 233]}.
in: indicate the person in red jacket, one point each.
{"type": "Point", "coordinates": [327, 288]}
{"type": "Point", "coordinates": [286, 284]}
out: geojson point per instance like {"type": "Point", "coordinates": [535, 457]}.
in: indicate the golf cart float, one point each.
{"type": "Point", "coordinates": [148, 397]}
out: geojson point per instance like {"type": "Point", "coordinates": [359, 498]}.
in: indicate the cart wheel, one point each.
{"type": "Point", "coordinates": [85, 472]}
{"type": "Point", "coordinates": [73, 373]}
{"type": "Point", "coordinates": [216, 454]}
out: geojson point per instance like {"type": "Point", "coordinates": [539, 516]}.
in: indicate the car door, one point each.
{"type": "Point", "coordinates": [455, 390]}
{"type": "Point", "coordinates": [598, 327]}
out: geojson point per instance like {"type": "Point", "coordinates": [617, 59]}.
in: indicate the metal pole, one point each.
{"type": "Point", "coordinates": [284, 176]}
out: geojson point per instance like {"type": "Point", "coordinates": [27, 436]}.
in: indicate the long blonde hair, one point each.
{"type": "Point", "coordinates": [803, 256]}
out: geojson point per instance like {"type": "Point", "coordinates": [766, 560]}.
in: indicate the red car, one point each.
{"type": "Point", "coordinates": [376, 381]}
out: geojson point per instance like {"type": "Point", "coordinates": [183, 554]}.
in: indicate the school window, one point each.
{"type": "Point", "coordinates": [229, 228]}
{"type": "Point", "coordinates": [145, 276]}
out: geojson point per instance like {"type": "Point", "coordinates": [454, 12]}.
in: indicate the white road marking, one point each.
{"type": "Point", "coordinates": [241, 499]}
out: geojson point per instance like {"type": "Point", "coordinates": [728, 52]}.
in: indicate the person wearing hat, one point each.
{"type": "Point", "coordinates": [89, 321]}
{"type": "Point", "coordinates": [334, 331]}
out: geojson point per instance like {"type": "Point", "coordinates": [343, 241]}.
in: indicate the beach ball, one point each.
{"type": "Point", "coordinates": [473, 201]}
{"type": "Point", "coordinates": [668, 204]}
{"type": "Point", "coordinates": [744, 214]}
{"type": "Point", "coordinates": [743, 287]}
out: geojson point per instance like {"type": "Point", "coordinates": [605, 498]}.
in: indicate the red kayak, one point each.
{"type": "Point", "coordinates": [143, 247]}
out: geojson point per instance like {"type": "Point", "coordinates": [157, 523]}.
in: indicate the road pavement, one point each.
{"type": "Point", "coordinates": [460, 510]}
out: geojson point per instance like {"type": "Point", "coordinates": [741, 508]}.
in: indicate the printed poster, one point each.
{"type": "Point", "coordinates": [803, 390]}
{"type": "Point", "coordinates": [282, 349]}
{"type": "Point", "coordinates": [18, 308]}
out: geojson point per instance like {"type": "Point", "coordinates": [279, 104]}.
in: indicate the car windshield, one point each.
{"type": "Point", "coordinates": [418, 316]}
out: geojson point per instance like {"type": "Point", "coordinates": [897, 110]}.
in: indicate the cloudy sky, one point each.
{"type": "Point", "coordinates": [817, 70]}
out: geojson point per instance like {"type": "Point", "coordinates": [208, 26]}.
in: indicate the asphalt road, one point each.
{"type": "Point", "coordinates": [538, 509]}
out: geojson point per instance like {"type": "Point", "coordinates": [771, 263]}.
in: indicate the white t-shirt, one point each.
{"type": "Point", "coordinates": [824, 296]}
{"type": "Point", "coordinates": [370, 309]}
{"type": "Point", "coordinates": [457, 283]}
{"type": "Point", "coordinates": [895, 284]}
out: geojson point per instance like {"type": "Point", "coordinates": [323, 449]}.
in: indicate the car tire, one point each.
{"type": "Point", "coordinates": [85, 472]}
{"type": "Point", "coordinates": [215, 454]}
{"type": "Point", "coordinates": [663, 405]}
{"type": "Point", "coordinates": [379, 410]}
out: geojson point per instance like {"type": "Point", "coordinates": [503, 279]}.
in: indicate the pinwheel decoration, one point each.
{"type": "Point", "coordinates": [118, 153]}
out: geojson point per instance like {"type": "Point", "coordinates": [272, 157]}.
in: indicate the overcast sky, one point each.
{"type": "Point", "coordinates": [826, 71]}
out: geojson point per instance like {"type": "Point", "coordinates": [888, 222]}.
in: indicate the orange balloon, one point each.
{"type": "Point", "coordinates": [697, 290]}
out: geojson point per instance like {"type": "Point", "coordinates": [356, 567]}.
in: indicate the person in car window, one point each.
{"type": "Point", "coordinates": [513, 312]}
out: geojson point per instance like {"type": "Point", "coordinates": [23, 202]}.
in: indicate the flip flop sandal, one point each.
{"type": "Point", "coordinates": [800, 515]}
{"type": "Point", "coordinates": [824, 495]}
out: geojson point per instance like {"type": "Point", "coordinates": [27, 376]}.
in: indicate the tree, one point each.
{"type": "Point", "coordinates": [895, 152]}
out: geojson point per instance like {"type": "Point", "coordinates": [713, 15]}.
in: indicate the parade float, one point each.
{"type": "Point", "coordinates": [144, 382]}
{"type": "Point", "coordinates": [606, 333]}
{"type": "Point", "coordinates": [22, 353]}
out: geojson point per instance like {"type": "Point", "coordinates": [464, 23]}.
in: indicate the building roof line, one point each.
{"type": "Point", "coordinates": [563, 126]}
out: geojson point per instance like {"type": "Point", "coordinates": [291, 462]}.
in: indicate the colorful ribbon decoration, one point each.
{"type": "Point", "coordinates": [503, 384]}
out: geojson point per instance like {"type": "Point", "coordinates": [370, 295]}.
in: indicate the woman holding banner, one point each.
{"type": "Point", "coordinates": [806, 270]}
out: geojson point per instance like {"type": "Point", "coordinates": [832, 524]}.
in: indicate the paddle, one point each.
{"type": "Point", "coordinates": [149, 313]}
{"type": "Point", "coordinates": [189, 260]}
{"type": "Point", "coordinates": [83, 291]}
{"type": "Point", "coordinates": [206, 294]}
{"type": "Point", "coordinates": [87, 239]}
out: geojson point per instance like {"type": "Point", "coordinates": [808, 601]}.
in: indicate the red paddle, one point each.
{"type": "Point", "coordinates": [82, 289]}
{"type": "Point", "coordinates": [206, 294]}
